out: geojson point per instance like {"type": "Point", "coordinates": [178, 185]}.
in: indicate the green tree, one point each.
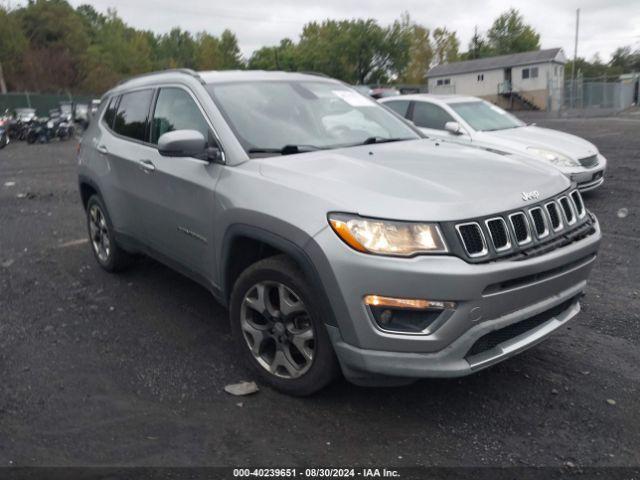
{"type": "Point", "coordinates": [13, 43]}
{"type": "Point", "coordinates": [478, 47]}
{"type": "Point", "coordinates": [280, 57]}
{"type": "Point", "coordinates": [446, 46]}
{"type": "Point", "coordinates": [177, 49]}
{"type": "Point", "coordinates": [207, 52]}
{"type": "Point", "coordinates": [58, 41]}
{"type": "Point", "coordinates": [510, 34]}
{"type": "Point", "coordinates": [420, 56]}
{"type": "Point", "coordinates": [230, 56]}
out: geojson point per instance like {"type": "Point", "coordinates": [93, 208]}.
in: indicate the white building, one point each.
{"type": "Point", "coordinates": [518, 81]}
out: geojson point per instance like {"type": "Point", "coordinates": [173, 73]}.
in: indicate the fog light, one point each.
{"type": "Point", "coordinates": [412, 303]}
{"type": "Point", "coordinates": [405, 315]}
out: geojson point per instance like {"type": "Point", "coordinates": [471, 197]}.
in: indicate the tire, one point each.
{"type": "Point", "coordinates": [284, 328]}
{"type": "Point", "coordinates": [109, 255]}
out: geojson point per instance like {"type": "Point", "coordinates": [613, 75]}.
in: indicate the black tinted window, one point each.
{"type": "Point", "coordinates": [110, 112]}
{"type": "Point", "coordinates": [427, 115]}
{"type": "Point", "coordinates": [131, 119]}
{"type": "Point", "coordinates": [399, 106]}
{"type": "Point", "coordinates": [176, 110]}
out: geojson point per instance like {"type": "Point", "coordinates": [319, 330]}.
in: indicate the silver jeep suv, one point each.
{"type": "Point", "coordinates": [339, 237]}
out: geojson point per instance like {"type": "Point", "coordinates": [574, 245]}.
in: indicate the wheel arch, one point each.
{"type": "Point", "coordinates": [269, 244]}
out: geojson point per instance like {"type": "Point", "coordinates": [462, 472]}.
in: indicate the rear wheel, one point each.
{"type": "Point", "coordinates": [107, 252]}
{"type": "Point", "coordinates": [279, 330]}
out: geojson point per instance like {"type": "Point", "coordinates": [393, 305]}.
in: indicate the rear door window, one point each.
{"type": "Point", "coordinates": [401, 107]}
{"type": "Point", "coordinates": [132, 115]}
{"type": "Point", "coordinates": [428, 115]}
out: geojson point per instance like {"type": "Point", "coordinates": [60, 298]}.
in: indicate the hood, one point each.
{"type": "Point", "coordinates": [518, 139]}
{"type": "Point", "coordinates": [415, 180]}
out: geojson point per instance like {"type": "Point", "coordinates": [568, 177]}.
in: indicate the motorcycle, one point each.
{"type": "Point", "coordinates": [4, 134]}
{"type": "Point", "coordinates": [39, 131]}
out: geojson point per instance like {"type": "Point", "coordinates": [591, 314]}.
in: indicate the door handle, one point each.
{"type": "Point", "coordinates": [102, 149]}
{"type": "Point", "coordinates": [147, 166]}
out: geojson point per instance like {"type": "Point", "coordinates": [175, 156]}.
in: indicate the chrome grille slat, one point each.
{"type": "Point", "coordinates": [578, 204]}
{"type": "Point", "coordinates": [539, 221]}
{"type": "Point", "coordinates": [555, 216]}
{"type": "Point", "coordinates": [567, 210]}
{"type": "Point", "coordinates": [499, 233]}
{"type": "Point", "coordinates": [519, 222]}
{"type": "Point", "coordinates": [470, 235]}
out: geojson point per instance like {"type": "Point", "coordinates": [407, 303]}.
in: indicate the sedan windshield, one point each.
{"type": "Point", "coordinates": [283, 117]}
{"type": "Point", "coordinates": [485, 117]}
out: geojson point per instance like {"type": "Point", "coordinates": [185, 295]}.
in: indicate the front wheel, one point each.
{"type": "Point", "coordinates": [279, 329]}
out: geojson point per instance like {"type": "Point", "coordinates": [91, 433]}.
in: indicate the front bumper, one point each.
{"type": "Point", "coordinates": [489, 297]}
{"type": "Point", "coordinates": [590, 178]}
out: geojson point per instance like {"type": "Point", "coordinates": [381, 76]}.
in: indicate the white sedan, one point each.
{"type": "Point", "coordinates": [465, 119]}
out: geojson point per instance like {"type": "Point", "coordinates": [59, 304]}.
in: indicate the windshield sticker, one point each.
{"type": "Point", "coordinates": [497, 109]}
{"type": "Point", "coordinates": [353, 98]}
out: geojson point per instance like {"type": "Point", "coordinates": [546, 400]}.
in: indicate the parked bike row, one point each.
{"type": "Point", "coordinates": [23, 124]}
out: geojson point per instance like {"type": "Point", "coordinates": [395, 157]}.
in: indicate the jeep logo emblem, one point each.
{"type": "Point", "coordinates": [532, 195]}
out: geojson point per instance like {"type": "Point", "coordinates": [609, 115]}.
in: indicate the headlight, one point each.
{"type": "Point", "coordinates": [385, 237]}
{"type": "Point", "coordinates": [554, 158]}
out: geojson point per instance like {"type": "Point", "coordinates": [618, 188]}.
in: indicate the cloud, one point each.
{"type": "Point", "coordinates": [604, 25]}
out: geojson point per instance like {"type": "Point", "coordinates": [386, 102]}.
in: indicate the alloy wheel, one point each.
{"type": "Point", "coordinates": [278, 330]}
{"type": "Point", "coordinates": [99, 233]}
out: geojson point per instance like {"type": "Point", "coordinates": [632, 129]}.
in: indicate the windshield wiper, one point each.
{"type": "Point", "coordinates": [371, 140]}
{"type": "Point", "coordinates": [287, 149]}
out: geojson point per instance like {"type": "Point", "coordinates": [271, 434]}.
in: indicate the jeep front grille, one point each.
{"type": "Point", "coordinates": [524, 233]}
{"type": "Point", "coordinates": [472, 239]}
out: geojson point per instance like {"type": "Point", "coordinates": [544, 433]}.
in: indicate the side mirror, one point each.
{"type": "Point", "coordinates": [182, 143]}
{"type": "Point", "coordinates": [453, 127]}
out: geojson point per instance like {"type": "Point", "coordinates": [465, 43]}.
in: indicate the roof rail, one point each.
{"type": "Point", "coordinates": [186, 71]}
{"type": "Point", "coordinates": [317, 74]}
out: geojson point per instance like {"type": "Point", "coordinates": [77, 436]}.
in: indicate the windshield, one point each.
{"type": "Point", "coordinates": [274, 116]}
{"type": "Point", "coordinates": [483, 116]}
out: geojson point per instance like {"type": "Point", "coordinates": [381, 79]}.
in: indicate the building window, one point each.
{"type": "Point", "coordinates": [530, 72]}
{"type": "Point", "coordinates": [534, 72]}
{"type": "Point", "coordinates": [481, 77]}
{"type": "Point", "coordinates": [525, 73]}
{"type": "Point", "coordinates": [443, 81]}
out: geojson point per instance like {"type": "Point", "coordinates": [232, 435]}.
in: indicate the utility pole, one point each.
{"type": "Point", "coordinates": [575, 57]}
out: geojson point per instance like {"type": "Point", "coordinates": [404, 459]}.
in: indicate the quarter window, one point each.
{"type": "Point", "coordinates": [110, 112]}
{"type": "Point", "coordinates": [131, 118]}
{"type": "Point", "coordinates": [401, 107]}
{"type": "Point", "coordinates": [176, 110]}
{"type": "Point", "coordinates": [428, 115]}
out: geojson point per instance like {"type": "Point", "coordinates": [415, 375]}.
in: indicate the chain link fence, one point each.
{"type": "Point", "coordinates": [42, 102]}
{"type": "Point", "coordinates": [597, 93]}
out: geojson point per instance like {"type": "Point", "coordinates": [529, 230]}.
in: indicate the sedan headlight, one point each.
{"type": "Point", "coordinates": [384, 237]}
{"type": "Point", "coordinates": [554, 158]}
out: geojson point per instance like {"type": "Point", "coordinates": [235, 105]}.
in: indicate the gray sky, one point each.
{"type": "Point", "coordinates": [604, 25]}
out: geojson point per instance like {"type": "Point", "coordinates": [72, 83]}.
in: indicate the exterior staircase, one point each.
{"type": "Point", "coordinates": [516, 99]}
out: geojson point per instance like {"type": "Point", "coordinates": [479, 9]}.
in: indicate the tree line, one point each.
{"type": "Point", "coordinates": [48, 46]}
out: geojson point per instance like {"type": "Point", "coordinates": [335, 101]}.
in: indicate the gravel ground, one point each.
{"type": "Point", "coordinates": [99, 369]}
